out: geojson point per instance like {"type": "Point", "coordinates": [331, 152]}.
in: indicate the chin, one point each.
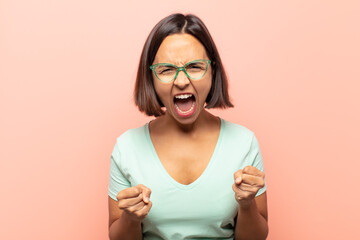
{"type": "Point", "coordinates": [186, 119]}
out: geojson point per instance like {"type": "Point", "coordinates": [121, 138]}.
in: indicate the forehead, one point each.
{"type": "Point", "coordinates": [179, 49]}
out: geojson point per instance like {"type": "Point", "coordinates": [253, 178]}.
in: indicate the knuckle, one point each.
{"type": "Point", "coordinates": [121, 205]}
{"type": "Point", "coordinates": [244, 177]}
{"type": "Point", "coordinates": [119, 195]}
{"type": "Point", "coordinates": [238, 173]}
{"type": "Point", "coordinates": [247, 195]}
{"type": "Point", "coordinates": [136, 190]}
{"type": "Point", "coordinates": [147, 191]}
{"type": "Point", "coordinates": [139, 214]}
{"type": "Point", "coordinates": [238, 197]}
{"type": "Point", "coordinates": [131, 209]}
{"type": "Point", "coordinates": [136, 214]}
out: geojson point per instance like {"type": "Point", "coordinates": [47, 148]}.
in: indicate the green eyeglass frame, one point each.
{"type": "Point", "coordinates": [152, 67]}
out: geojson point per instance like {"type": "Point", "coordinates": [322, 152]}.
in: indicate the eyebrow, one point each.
{"type": "Point", "coordinates": [178, 65]}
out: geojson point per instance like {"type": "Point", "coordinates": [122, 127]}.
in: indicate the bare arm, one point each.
{"type": "Point", "coordinates": [126, 214]}
{"type": "Point", "coordinates": [251, 222]}
{"type": "Point", "coordinates": [121, 226]}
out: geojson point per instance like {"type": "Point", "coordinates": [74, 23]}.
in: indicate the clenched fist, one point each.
{"type": "Point", "coordinates": [248, 181]}
{"type": "Point", "coordinates": [135, 201]}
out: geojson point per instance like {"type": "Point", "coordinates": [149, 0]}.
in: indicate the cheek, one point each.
{"type": "Point", "coordinates": [204, 87]}
{"type": "Point", "coordinates": [162, 91]}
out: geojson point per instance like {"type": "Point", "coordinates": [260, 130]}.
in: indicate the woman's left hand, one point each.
{"type": "Point", "coordinates": [248, 181]}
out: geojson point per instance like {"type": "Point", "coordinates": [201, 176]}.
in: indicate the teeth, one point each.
{"type": "Point", "coordinates": [192, 107]}
{"type": "Point", "coordinates": [183, 96]}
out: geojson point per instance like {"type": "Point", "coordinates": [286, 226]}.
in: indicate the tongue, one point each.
{"type": "Point", "coordinates": [184, 104]}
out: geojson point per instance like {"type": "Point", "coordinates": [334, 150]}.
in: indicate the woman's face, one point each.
{"type": "Point", "coordinates": [183, 98]}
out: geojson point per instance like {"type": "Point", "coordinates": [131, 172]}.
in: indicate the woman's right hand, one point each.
{"type": "Point", "coordinates": [135, 202]}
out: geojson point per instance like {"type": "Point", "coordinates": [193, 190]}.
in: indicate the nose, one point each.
{"type": "Point", "coordinates": [181, 81]}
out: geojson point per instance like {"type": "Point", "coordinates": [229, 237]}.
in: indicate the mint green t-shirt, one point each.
{"type": "Point", "coordinates": [204, 209]}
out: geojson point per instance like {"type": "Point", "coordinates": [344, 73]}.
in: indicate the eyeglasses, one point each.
{"type": "Point", "coordinates": [167, 72]}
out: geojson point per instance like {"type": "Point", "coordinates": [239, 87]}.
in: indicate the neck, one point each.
{"type": "Point", "coordinates": [204, 121]}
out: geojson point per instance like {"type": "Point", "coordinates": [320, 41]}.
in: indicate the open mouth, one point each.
{"type": "Point", "coordinates": [184, 104]}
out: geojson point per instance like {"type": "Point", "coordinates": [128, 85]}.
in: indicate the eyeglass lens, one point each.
{"type": "Point", "coordinates": [195, 71]}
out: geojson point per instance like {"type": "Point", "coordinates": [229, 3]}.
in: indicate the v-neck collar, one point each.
{"type": "Point", "coordinates": [204, 173]}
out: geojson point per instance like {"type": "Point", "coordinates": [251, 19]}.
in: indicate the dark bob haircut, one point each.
{"type": "Point", "coordinates": [145, 96]}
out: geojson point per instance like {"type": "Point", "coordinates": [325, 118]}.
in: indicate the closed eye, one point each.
{"type": "Point", "coordinates": [165, 69]}
{"type": "Point", "coordinates": [195, 66]}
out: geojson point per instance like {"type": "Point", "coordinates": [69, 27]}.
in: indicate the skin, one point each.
{"type": "Point", "coordinates": [180, 49]}
{"type": "Point", "coordinates": [197, 134]}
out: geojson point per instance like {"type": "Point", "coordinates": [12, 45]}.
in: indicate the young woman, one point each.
{"type": "Point", "coordinates": [187, 174]}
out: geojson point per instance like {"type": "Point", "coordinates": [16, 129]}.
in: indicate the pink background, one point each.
{"type": "Point", "coordinates": [67, 70]}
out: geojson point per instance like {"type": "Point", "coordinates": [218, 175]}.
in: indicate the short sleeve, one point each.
{"type": "Point", "coordinates": [257, 161]}
{"type": "Point", "coordinates": [117, 180]}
